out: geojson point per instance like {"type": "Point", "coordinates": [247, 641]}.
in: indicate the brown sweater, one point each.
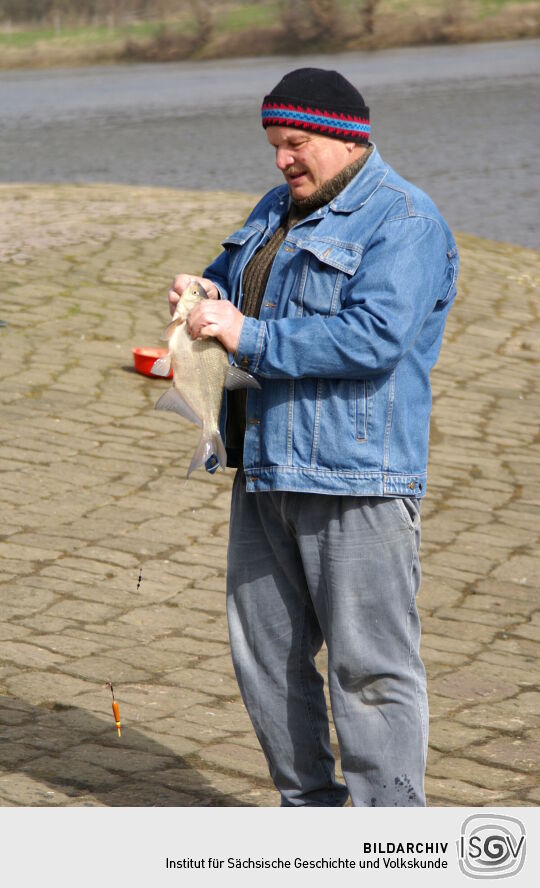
{"type": "Point", "coordinates": [255, 279]}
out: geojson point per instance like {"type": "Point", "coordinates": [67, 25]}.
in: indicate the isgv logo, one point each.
{"type": "Point", "coordinates": [491, 846]}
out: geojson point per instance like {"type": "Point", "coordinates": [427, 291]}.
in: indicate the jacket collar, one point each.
{"type": "Point", "coordinates": [363, 186]}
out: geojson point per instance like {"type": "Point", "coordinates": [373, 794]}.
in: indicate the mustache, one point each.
{"type": "Point", "coordinates": [293, 171]}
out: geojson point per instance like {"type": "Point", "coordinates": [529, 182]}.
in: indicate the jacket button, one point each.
{"type": "Point", "coordinates": [252, 478]}
{"type": "Point", "coordinates": [245, 361]}
{"type": "Point", "coordinates": [411, 485]}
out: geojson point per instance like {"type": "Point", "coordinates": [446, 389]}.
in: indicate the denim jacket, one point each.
{"type": "Point", "coordinates": [350, 326]}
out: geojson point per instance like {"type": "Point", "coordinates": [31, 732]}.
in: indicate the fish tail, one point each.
{"type": "Point", "coordinates": [210, 444]}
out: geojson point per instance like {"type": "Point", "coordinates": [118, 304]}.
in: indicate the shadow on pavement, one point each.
{"type": "Point", "coordinates": [79, 756]}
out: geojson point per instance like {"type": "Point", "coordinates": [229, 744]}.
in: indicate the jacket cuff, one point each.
{"type": "Point", "coordinates": [250, 345]}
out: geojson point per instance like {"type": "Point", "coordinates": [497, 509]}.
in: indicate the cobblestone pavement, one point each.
{"type": "Point", "coordinates": [93, 490]}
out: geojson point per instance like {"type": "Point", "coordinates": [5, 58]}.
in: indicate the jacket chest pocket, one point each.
{"type": "Point", "coordinates": [240, 246]}
{"type": "Point", "coordinates": [326, 267]}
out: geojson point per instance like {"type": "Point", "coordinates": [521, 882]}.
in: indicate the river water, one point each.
{"type": "Point", "coordinates": [458, 121]}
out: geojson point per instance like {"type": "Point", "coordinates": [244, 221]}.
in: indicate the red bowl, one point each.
{"type": "Point", "coordinates": [143, 359]}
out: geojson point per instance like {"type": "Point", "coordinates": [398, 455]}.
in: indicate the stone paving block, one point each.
{"type": "Point", "coordinates": [232, 757]}
{"type": "Point", "coordinates": [27, 653]}
{"type": "Point", "coordinates": [155, 660]}
{"type": "Point", "coordinates": [512, 670]}
{"type": "Point", "coordinates": [449, 736]}
{"type": "Point", "coordinates": [175, 746]}
{"type": "Point", "coordinates": [215, 584]}
{"type": "Point", "coordinates": [475, 564]}
{"type": "Point", "coordinates": [506, 606]}
{"type": "Point", "coordinates": [12, 630]}
{"type": "Point", "coordinates": [143, 703]}
{"type": "Point", "coordinates": [520, 650]}
{"type": "Point", "coordinates": [43, 687]}
{"type": "Point", "coordinates": [66, 645]}
{"type": "Point", "coordinates": [515, 714]}
{"type": "Point", "coordinates": [196, 646]}
{"type": "Point", "coordinates": [469, 621]}
{"type": "Point", "coordinates": [527, 630]}
{"type": "Point", "coordinates": [519, 754]}
{"type": "Point", "coordinates": [441, 642]}
{"type": "Point", "coordinates": [123, 636]}
{"type": "Point", "coordinates": [445, 573]}
{"type": "Point", "coordinates": [204, 782]}
{"type": "Point", "coordinates": [213, 631]}
{"type": "Point", "coordinates": [121, 759]}
{"type": "Point", "coordinates": [162, 617]}
{"type": "Point", "coordinates": [479, 775]}
{"type": "Point", "coordinates": [68, 771]}
{"type": "Point", "coordinates": [459, 792]}
{"type": "Point", "coordinates": [223, 717]}
{"type": "Point", "coordinates": [519, 518]}
{"type": "Point", "coordinates": [201, 599]}
{"type": "Point", "coordinates": [83, 611]}
{"type": "Point", "coordinates": [222, 665]}
{"type": "Point", "coordinates": [173, 729]}
{"type": "Point", "coordinates": [97, 569]}
{"type": "Point", "coordinates": [466, 685]}
{"type": "Point", "coordinates": [204, 680]}
{"type": "Point", "coordinates": [442, 706]}
{"type": "Point", "coordinates": [28, 599]}
{"type": "Point", "coordinates": [434, 594]}
{"type": "Point", "coordinates": [24, 790]}
{"type": "Point", "coordinates": [108, 668]}
{"type": "Point", "coordinates": [109, 556]}
{"type": "Point", "coordinates": [433, 657]}
{"type": "Point", "coordinates": [15, 754]}
{"type": "Point", "coordinates": [134, 794]}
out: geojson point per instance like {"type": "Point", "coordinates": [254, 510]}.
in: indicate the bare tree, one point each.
{"type": "Point", "coordinates": [325, 16]}
{"type": "Point", "coordinates": [310, 20]}
{"type": "Point", "coordinates": [205, 20]}
{"type": "Point", "coordinates": [368, 11]}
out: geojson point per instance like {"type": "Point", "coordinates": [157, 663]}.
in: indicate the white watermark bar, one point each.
{"type": "Point", "coordinates": [270, 846]}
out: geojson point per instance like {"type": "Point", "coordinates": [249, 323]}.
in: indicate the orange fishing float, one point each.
{"type": "Point", "coordinates": [115, 709]}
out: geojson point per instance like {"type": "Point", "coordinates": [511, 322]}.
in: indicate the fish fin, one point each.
{"type": "Point", "coordinates": [162, 367]}
{"type": "Point", "coordinates": [170, 328]}
{"type": "Point", "coordinates": [172, 400]}
{"type": "Point", "coordinates": [207, 447]}
{"type": "Point", "coordinates": [237, 379]}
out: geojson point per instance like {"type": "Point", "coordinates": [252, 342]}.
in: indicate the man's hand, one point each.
{"type": "Point", "coordinates": [182, 281]}
{"type": "Point", "coordinates": [220, 319]}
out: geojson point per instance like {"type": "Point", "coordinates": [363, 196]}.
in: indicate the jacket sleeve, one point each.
{"type": "Point", "coordinates": [217, 272]}
{"type": "Point", "coordinates": [404, 272]}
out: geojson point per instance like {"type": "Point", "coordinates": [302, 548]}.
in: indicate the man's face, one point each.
{"type": "Point", "coordinates": [307, 160]}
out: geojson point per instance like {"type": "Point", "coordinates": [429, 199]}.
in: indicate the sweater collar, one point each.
{"type": "Point", "coordinates": [329, 190]}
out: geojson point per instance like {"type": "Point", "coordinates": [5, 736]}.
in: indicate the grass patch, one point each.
{"type": "Point", "coordinates": [249, 16]}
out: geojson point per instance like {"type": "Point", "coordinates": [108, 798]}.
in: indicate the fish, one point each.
{"type": "Point", "coordinates": [201, 373]}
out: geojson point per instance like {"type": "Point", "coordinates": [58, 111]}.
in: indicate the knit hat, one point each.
{"type": "Point", "coordinates": [319, 101]}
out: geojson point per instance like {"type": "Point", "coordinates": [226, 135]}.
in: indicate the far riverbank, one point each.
{"type": "Point", "coordinates": [258, 30]}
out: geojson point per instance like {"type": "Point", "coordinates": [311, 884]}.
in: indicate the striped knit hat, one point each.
{"type": "Point", "coordinates": [319, 101]}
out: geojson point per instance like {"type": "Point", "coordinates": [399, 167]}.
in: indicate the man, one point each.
{"type": "Point", "coordinates": [335, 294]}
